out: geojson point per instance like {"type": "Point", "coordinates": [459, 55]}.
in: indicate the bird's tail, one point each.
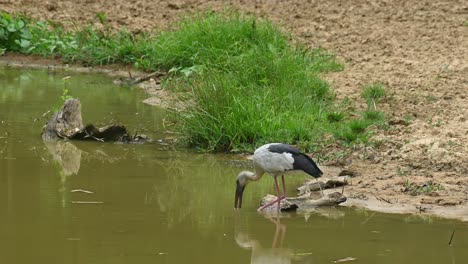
{"type": "Point", "coordinates": [308, 165]}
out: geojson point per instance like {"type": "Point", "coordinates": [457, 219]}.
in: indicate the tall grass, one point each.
{"type": "Point", "coordinates": [242, 81]}
{"type": "Point", "coordinates": [254, 88]}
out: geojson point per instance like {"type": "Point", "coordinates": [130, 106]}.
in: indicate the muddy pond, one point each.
{"type": "Point", "coordinates": [93, 202]}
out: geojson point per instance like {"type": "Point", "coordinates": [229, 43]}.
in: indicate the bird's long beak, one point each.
{"type": "Point", "coordinates": [238, 198]}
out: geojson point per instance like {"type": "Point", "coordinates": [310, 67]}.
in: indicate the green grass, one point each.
{"type": "Point", "coordinates": [373, 115]}
{"type": "Point", "coordinates": [373, 94]}
{"type": "Point", "coordinates": [242, 81]}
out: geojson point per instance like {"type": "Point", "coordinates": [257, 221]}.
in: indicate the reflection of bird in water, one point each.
{"type": "Point", "coordinates": [260, 255]}
{"type": "Point", "coordinates": [275, 159]}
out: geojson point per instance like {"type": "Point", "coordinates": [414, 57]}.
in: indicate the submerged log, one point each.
{"type": "Point", "coordinates": [68, 124]}
{"type": "Point", "coordinates": [107, 133]}
{"type": "Point", "coordinates": [304, 203]}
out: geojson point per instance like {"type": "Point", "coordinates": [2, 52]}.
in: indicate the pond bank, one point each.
{"type": "Point", "coordinates": [376, 192]}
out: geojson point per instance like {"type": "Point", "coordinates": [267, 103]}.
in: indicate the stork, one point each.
{"type": "Point", "coordinates": [276, 159]}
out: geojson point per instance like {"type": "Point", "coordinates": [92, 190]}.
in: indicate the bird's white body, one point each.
{"type": "Point", "coordinates": [273, 163]}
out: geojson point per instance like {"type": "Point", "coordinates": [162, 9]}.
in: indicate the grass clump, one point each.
{"type": "Point", "coordinates": [334, 117]}
{"type": "Point", "coordinates": [255, 87]}
{"type": "Point", "coordinates": [424, 188]}
{"type": "Point", "coordinates": [373, 94]}
{"type": "Point", "coordinates": [242, 81]}
{"type": "Point", "coordinates": [373, 115]}
{"type": "Point", "coordinates": [357, 130]}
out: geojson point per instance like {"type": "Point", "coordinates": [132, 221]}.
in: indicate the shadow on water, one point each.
{"type": "Point", "coordinates": [146, 204]}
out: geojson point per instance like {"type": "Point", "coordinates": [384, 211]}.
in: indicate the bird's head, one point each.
{"type": "Point", "coordinates": [241, 181]}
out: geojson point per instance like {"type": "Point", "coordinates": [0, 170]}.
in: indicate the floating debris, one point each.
{"type": "Point", "coordinates": [81, 190]}
{"type": "Point", "coordinates": [303, 254]}
{"type": "Point", "coordinates": [344, 260]}
{"type": "Point", "coordinates": [87, 202]}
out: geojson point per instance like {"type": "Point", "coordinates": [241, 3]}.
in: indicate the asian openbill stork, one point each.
{"type": "Point", "coordinates": [275, 159]}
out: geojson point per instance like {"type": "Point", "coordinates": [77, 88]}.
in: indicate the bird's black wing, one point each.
{"type": "Point", "coordinates": [305, 163]}
{"type": "Point", "coordinates": [281, 148]}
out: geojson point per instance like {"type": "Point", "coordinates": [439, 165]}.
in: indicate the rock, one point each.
{"type": "Point", "coordinates": [384, 177]}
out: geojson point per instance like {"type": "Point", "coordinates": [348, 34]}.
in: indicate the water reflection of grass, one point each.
{"type": "Point", "coordinates": [419, 219]}
{"type": "Point", "coordinates": [196, 189]}
{"type": "Point", "coordinates": [201, 189]}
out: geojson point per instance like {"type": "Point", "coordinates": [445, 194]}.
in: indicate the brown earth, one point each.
{"type": "Point", "coordinates": [418, 49]}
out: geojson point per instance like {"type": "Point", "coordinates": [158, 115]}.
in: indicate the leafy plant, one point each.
{"type": "Point", "coordinates": [14, 34]}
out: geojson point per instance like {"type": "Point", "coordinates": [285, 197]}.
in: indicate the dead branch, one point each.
{"type": "Point", "coordinates": [155, 74]}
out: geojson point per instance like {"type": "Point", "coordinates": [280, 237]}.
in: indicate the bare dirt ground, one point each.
{"type": "Point", "coordinates": [418, 49]}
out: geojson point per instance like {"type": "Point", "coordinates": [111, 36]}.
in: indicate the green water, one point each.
{"type": "Point", "coordinates": [150, 204]}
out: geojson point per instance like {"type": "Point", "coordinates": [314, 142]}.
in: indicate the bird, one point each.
{"type": "Point", "coordinates": [276, 159]}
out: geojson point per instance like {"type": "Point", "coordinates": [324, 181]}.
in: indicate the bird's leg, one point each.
{"type": "Point", "coordinates": [278, 195]}
{"type": "Point", "coordinates": [277, 200]}
{"type": "Point", "coordinates": [266, 205]}
{"type": "Point", "coordinates": [320, 186]}
{"type": "Point", "coordinates": [284, 188]}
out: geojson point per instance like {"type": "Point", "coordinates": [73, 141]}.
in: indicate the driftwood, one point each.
{"type": "Point", "coordinates": [304, 203]}
{"type": "Point", "coordinates": [132, 81]}
{"type": "Point", "coordinates": [329, 183]}
{"type": "Point", "coordinates": [107, 133]}
{"type": "Point", "coordinates": [68, 124]}
{"type": "Point", "coordinates": [285, 204]}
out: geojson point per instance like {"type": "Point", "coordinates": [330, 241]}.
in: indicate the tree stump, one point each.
{"type": "Point", "coordinates": [65, 123]}
{"type": "Point", "coordinates": [68, 124]}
